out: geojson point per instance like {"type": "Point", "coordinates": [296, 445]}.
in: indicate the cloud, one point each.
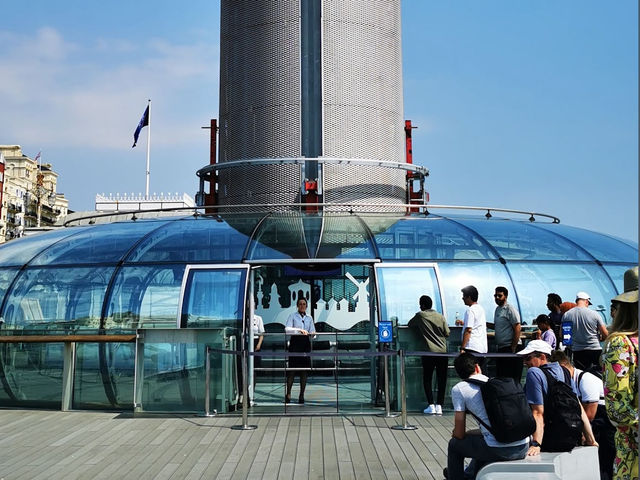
{"type": "Point", "coordinates": [62, 94]}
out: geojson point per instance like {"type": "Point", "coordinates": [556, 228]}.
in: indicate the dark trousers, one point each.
{"type": "Point", "coordinates": [604, 432]}
{"type": "Point", "coordinates": [474, 446]}
{"type": "Point", "coordinates": [584, 359]}
{"type": "Point", "coordinates": [509, 367]}
{"type": "Point", "coordinates": [440, 364]}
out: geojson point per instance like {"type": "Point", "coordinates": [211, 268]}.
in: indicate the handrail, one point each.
{"type": "Point", "coordinates": [348, 208]}
{"type": "Point", "coordinates": [68, 338]}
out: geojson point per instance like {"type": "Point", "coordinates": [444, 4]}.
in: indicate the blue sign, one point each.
{"type": "Point", "coordinates": [566, 332]}
{"type": "Point", "coordinates": [385, 332]}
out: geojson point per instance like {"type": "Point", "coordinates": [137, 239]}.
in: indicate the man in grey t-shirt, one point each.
{"type": "Point", "coordinates": [587, 331]}
{"type": "Point", "coordinates": [506, 322]}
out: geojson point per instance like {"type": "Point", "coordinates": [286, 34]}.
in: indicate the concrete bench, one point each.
{"type": "Point", "coordinates": [579, 464]}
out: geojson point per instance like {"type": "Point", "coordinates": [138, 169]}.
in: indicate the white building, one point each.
{"type": "Point", "coordinates": [29, 198]}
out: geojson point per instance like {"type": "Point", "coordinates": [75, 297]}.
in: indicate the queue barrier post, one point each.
{"type": "Point", "coordinates": [387, 408]}
{"type": "Point", "coordinates": [207, 384]}
{"type": "Point", "coordinates": [405, 425]}
{"type": "Point", "coordinates": [245, 397]}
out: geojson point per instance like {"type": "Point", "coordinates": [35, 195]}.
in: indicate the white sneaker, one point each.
{"type": "Point", "coordinates": [438, 409]}
{"type": "Point", "coordinates": [430, 410]}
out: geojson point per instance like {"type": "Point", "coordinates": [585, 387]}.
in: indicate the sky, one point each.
{"type": "Point", "coordinates": [528, 105]}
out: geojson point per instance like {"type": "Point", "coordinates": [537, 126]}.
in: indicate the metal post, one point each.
{"type": "Point", "coordinates": [404, 425]}
{"type": "Point", "coordinates": [207, 384]}
{"type": "Point", "coordinates": [68, 370]}
{"type": "Point", "coordinates": [245, 400]}
{"type": "Point", "coordinates": [387, 407]}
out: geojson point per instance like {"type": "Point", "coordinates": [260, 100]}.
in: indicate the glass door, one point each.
{"type": "Point", "coordinates": [400, 287]}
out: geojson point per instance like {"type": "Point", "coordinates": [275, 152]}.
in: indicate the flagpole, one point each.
{"type": "Point", "coordinates": [146, 192]}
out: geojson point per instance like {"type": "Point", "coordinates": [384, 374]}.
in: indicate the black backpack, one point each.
{"type": "Point", "coordinates": [562, 414]}
{"type": "Point", "coordinates": [507, 408]}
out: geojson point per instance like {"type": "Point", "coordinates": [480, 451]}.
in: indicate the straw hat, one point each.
{"type": "Point", "coordinates": [630, 294]}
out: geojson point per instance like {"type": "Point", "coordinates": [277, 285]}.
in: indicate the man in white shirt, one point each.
{"type": "Point", "coordinates": [479, 445]}
{"type": "Point", "coordinates": [590, 391]}
{"type": "Point", "coordinates": [474, 329]}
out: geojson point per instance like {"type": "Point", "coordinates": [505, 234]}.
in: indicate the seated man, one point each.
{"type": "Point", "coordinates": [479, 445]}
{"type": "Point", "coordinates": [536, 358]}
{"type": "Point", "coordinates": [590, 391]}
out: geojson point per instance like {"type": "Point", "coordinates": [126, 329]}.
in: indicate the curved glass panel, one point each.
{"type": "Point", "coordinates": [536, 280]}
{"type": "Point", "coordinates": [401, 288]}
{"type": "Point", "coordinates": [485, 276]}
{"type": "Point", "coordinates": [6, 277]}
{"type": "Point", "coordinates": [145, 297]}
{"type": "Point", "coordinates": [57, 299]}
{"type": "Point", "coordinates": [342, 236]}
{"type": "Point", "coordinates": [280, 237]}
{"type": "Point", "coordinates": [522, 241]}
{"type": "Point", "coordinates": [616, 272]}
{"type": "Point", "coordinates": [602, 247]}
{"type": "Point", "coordinates": [431, 238]}
{"type": "Point", "coordinates": [214, 298]}
{"type": "Point", "coordinates": [22, 250]}
{"type": "Point", "coordinates": [192, 240]}
{"type": "Point", "coordinates": [106, 243]}
{"type": "Point", "coordinates": [113, 365]}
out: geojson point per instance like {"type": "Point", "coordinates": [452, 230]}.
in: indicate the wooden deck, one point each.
{"type": "Point", "coordinates": [36, 444]}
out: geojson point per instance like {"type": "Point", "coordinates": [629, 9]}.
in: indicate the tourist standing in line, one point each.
{"type": "Point", "coordinates": [433, 329]}
{"type": "Point", "coordinates": [474, 328]}
{"type": "Point", "coordinates": [506, 322]}
{"type": "Point", "coordinates": [300, 326]}
{"type": "Point", "coordinates": [589, 389]}
{"type": "Point", "coordinates": [587, 331]}
{"type": "Point", "coordinates": [536, 356]}
{"type": "Point", "coordinates": [555, 315]}
{"type": "Point", "coordinates": [544, 330]}
{"type": "Point", "coordinates": [620, 376]}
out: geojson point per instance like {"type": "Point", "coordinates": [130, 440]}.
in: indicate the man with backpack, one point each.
{"type": "Point", "coordinates": [561, 421]}
{"type": "Point", "coordinates": [479, 445]}
{"type": "Point", "coordinates": [589, 388]}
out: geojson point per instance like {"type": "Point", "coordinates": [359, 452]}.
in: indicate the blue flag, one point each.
{"type": "Point", "coordinates": [144, 121]}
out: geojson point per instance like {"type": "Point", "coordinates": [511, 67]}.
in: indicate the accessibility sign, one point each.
{"type": "Point", "coordinates": [385, 332]}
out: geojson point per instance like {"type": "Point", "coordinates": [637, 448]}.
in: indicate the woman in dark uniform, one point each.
{"type": "Point", "coordinates": [299, 325]}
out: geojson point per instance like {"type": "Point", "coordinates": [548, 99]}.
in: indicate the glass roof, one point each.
{"type": "Point", "coordinates": [234, 238]}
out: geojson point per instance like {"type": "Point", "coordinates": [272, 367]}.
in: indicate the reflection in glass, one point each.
{"type": "Point", "coordinates": [536, 280]}
{"type": "Point", "coordinates": [431, 238]}
{"type": "Point", "coordinates": [107, 243]}
{"type": "Point", "coordinates": [517, 240]}
{"type": "Point", "coordinates": [18, 252]}
{"type": "Point", "coordinates": [401, 289]}
{"type": "Point", "coordinates": [145, 297]}
{"type": "Point", "coordinates": [484, 276]}
{"type": "Point", "coordinates": [57, 298]}
{"type": "Point", "coordinates": [104, 376]}
{"type": "Point", "coordinates": [32, 375]}
{"type": "Point", "coordinates": [602, 247]}
{"type": "Point", "coordinates": [192, 240]}
{"type": "Point", "coordinates": [214, 298]}
{"type": "Point", "coordinates": [616, 272]}
{"type": "Point", "coordinates": [6, 277]}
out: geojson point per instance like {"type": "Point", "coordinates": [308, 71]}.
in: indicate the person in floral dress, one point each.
{"type": "Point", "coordinates": [620, 376]}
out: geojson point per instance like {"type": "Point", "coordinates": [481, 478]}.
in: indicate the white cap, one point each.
{"type": "Point", "coordinates": [583, 296]}
{"type": "Point", "coordinates": [536, 346]}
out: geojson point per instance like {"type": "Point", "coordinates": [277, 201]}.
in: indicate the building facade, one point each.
{"type": "Point", "coordinates": [29, 194]}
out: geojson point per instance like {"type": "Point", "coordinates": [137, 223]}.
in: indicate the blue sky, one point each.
{"type": "Point", "coordinates": [529, 105]}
